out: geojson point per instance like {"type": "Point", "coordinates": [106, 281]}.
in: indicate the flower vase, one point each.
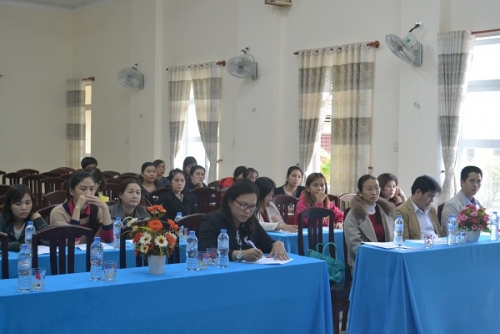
{"type": "Point", "coordinates": [473, 236]}
{"type": "Point", "coordinates": [156, 264]}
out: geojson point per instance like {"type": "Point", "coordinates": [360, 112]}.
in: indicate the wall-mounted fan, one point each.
{"type": "Point", "coordinates": [130, 77]}
{"type": "Point", "coordinates": [406, 48]}
{"type": "Point", "coordinates": [243, 66]}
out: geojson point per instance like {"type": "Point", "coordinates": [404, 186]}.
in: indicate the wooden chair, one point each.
{"type": "Point", "coordinates": [55, 197]}
{"type": "Point", "coordinates": [283, 202]}
{"type": "Point", "coordinates": [315, 218]}
{"type": "Point", "coordinates": [51, 184]}
{"type": "Point", "coordinates": [339, 293]}
{"type": "Point", "coordinates": [3, 189]}
{"type": "Point", "coordinates": [62, 236]}
{"type": "Point", "coordinates": [111, 191]}
{"type": "Point", "coordinates": [334, 199]}
{"type": "Point", "coordinates": [4, 239]}
{"type": "Point", "coordinates": [440, 211]}
{"type": "Point", "coordinates": [129, 175]}
{"type": "Point", "coordinates": [2, 173]}
{"type": "Point", "coordinates": [63, 170]}
{"type": "Point", "coordinates": [32, 181]}
{"type": "Point", "coordinates": [45, 212]}
{"type": "Point", "coordinates": [13, 178]}
{"type": "Point", "coordinates": [192, 222]}
{"type": "Point", "coordinates": [50, 174]}
{"type": "Point", "coordinates": [28, 171]}
{"type": "Point", "coordinates": [207, 199]}
{"type": "Point", "coordinates": [65, 177]}
{"type": "Point", "coordinates": [110, 174]}
{"type": "Point", "coordinates": [113, 181]}
{"type": "Point", "coordinates": [215, 184]}
{"type": "Point", "coordinates": [344, 200]}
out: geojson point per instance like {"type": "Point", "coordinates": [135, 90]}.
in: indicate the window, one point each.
{"type": "Point", "coordinates": [191, 144]}
{"type": "Point", "coordinates": [480, 133]}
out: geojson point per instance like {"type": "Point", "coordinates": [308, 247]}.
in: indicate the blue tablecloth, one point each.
{"type": "Point", "coordinates": [244, 298]}
{"type": "Point", "coordinates": [447, 289]}
{"type": "Point", "coordinates": [44, 260]}
{"type": "Point", "coordinates": [291, 241]}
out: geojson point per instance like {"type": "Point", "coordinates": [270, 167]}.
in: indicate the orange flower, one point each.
{"type": "Point", "coordinates": [155, 225]}
{"type": "Point", "coordinates": [171, 239]}
{"type": "Point", "coordinates": [173, 225]}
{"type": "Point", "coordinates": [137, 237]}
{"type": "Point", "coordinates": [156, 208]}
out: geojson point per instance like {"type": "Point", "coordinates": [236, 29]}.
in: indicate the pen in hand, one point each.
{"type": "Point", "coordinates": [251, 244]}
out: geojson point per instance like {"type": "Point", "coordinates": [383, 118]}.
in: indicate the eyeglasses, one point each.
{"type": "Point", "coordinates": [370, 189]}
{"type": "Point", "coordinates": [245, 206]}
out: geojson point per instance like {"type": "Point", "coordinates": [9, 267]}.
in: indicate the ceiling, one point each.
{"type": "Point", "coordinates": [61, 4]}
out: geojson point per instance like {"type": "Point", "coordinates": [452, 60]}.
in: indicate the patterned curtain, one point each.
{"type": "Point", "coordinates": [75, 122]}
{"type": "Point", "coordinates": [207, 83]}
{"type": "Point", "coordinates": [315, 69]}
{"type": "Point", "coordinates": [455, 55]}
{"type": "Point", "coordinates": [179, 85]}
{"type": "Point", "coordinates": [352, 108]}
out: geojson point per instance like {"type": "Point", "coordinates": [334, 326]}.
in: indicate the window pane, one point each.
{"type": "Point", "coordinates": [477, 108]}
{"type": "Point", "coordinates": [485, 63]}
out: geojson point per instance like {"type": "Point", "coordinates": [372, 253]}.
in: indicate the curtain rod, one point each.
{"type": "Point", "coordinates": [375, 44]}
{"type": "Point", "coordinates": [220, 63]}
{"type": "Point", "coordinates": [89, 79]}
{"type": "Point", "coordinates": [484, 31]}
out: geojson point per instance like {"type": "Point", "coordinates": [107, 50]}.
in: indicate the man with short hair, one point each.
{"type": "Point", "coordinates": [470, 182]}
{"type": "Point", "coordinates": [88, 162]}
{"type": "Point", "coordinates": [418, 212]}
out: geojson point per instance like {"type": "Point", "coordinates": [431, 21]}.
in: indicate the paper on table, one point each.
{"type": "Point", "coordinates": [268, 260]}
{"type": "Point", "coordinates": [437, 241]}
{"type": "Point", "coordinates": [42, 249]}
{"type": "Point", "coordinates": [83, 247]}
{"type": "Point", "coordinates": [386, 245]}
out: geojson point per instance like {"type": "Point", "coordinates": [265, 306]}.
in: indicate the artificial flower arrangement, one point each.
{"type": "Point", "coordinates": [473, 219]}
{"type": "Point", "coordinates": [150, 238]}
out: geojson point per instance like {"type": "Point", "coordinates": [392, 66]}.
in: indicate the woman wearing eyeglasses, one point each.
{"type": "Point", "coordinates": [247, 239]}
{"type": "Point", "coordinates": [369, 219]}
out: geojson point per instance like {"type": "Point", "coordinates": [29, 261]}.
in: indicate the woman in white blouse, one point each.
{"type": "Point", "coordinates": [268, 214]}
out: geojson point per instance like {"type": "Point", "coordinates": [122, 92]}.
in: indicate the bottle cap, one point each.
{"type": "Point", "coordinates": [192, 233]}
{"type": "Point", "coordinates": [223, 230]}
{"type": "Point", "coordinates": [118, 219]}
{"type": "Point", "coordinates": [398, 217]}
{"type": "Point", "coordinates": [179, 213]}
{"type": "Point", "coordinates": [97, 239]}
{"type": "Point", "coordinates": [30, 223]}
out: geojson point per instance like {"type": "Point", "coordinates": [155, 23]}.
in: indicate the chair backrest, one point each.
{"type": "Point", "coordinates": [2, 173]}
{"type": "Point", "coordinates": [215, 184]}
{"type": "Point", "coordinates": [32, 181]}
{"type": "Point", "coordinates": [4, 239]}
{"type": "Point", "coordinates": [334, 199]}
{"type": "Point", "coordinates": [62, 237]}
{"type": "Point", "coordinates": [192, 222]}
{"type": "Point", "coordinates": [348, 273]}
{"type": "Point", "coordinates": [50, 184]}
{"type": "Point", "coordinates": [28, 171]}
{"type": "Point", "coordinates": [128, 175]}
{"type": "Point", "coordinates": [55, 197]}
{"type": "Point", "coordinates": [13, 178]}
{"type": "Point", "coordinates": [50, 174]}
{"type": "Point", "coordinates": [63, 170]}
{"type": "Point", "coordinates": [45, 212]}
{"type": "Point", "coordinates": [440, 211]}
{"type": "Point", "coordinates": [3, 189]}
{"type": "Point", "coordinates": [110, 174]}
{"type": "Point", "coordinates": [113, 180]}
{"type": "Point", "coordinates": [111, 191]}
{"type": "Point", "coordinates": [207, 199]}
{"type": "Point", "coordinates": [283, 203]}
{"type": "Point", "coordinates": [345, 200]}
{"type": "Point", "coordinates": [315, 218]}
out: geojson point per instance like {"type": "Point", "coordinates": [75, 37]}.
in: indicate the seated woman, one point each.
{"type": "Point", "coordinates": [148, 181]}
{"type": "Point", "coordinates": [251, 174]}
{"type": "Point", "coordinates": [268, 214]}
{"type": "Point", "coordinates": [83, 208]}
{"type": "Point", "coordinates": [292, 185]}
{"type": "Point", "coordinates": [100, 182]}
{"type": "Point", "coordinates": [229, 181]}
{"type": "Point", "coordinates": [187, 164]}
{"type": "Point", "coordinates": [18, 209]}
{"type": "Point", "coordinates": [175, 200]}
{"type": "Point", "coordinates": [389, 189]}
{"type": "Point", "coordinates": [369, 217]}
{"type": "Point", "coordinates": [129, 200]}
{"type": "Point", "coordinates": [237, 216]}
{"type": "Point", "coordinates": [196, 178]}
{"type": "Point", "coordinates": [315, 195]}
{"type": "Point", "coordinates": [160, 171]}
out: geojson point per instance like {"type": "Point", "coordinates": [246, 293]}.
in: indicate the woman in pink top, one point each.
{"type": "Point", "coordinates": [314, 195]}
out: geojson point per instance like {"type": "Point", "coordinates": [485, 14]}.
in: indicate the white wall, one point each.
{"type": "Point", "coordinates": [259, 123]}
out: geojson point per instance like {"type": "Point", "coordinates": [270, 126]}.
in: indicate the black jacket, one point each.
{"type": "Point", "coordinates": [173, 205]}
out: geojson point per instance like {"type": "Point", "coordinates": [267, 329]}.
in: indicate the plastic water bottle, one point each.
{"type": "Point", "coordinates": [24, 269]}
{"type": "Point", "coordinates": [178, 217]}
{"type": "Point", "coordinates": [28, 235]}
{"type": "Point", "coordinates": [398, 231]}
{"type": "Point", "coordinates": [223, 249]}
{"type": "Point", "coordinates": [117, 231]}
{"type": "Point", "coordinates": [452, 230]}
{"type": "Point", "coordinates": [96, 257]}
{"type": "Point", "coordinates": [494, 226]}
{"type": "Point", "coordinates": [191, 251]}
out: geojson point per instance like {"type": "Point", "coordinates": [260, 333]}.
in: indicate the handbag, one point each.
{"type": "Point", "coordinates": [335, 268]}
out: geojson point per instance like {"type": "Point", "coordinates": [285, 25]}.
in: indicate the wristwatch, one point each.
{"type": "Point", "coordinates": [239, 255]}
